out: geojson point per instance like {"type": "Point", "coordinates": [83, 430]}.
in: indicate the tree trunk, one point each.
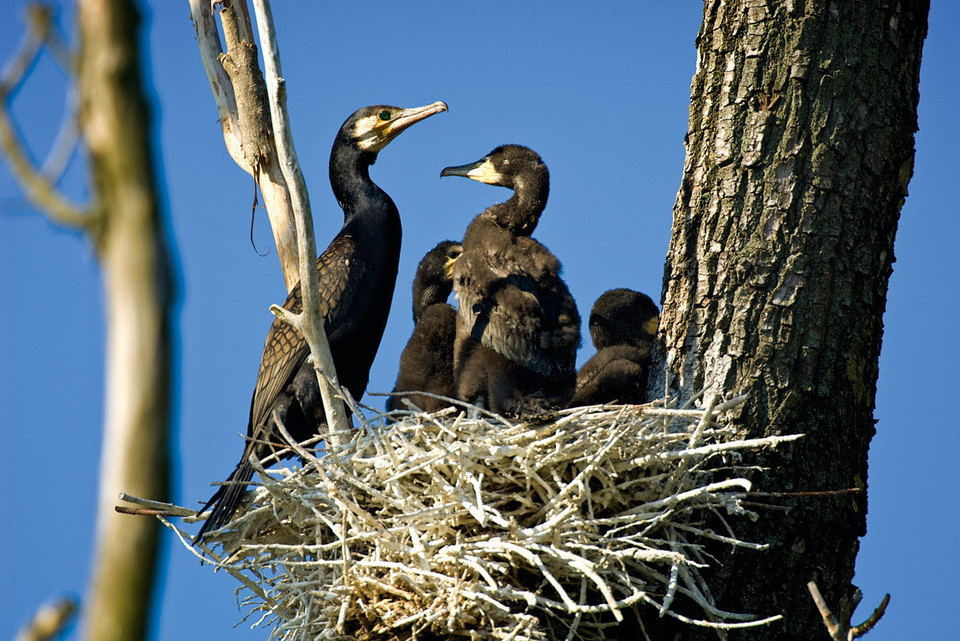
{"type": "Point", "coordinates": [799, 151]}
{"type": "Point", "coordinates": [130, 241]}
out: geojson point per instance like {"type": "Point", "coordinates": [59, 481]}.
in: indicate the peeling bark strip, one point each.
{"type": "Point", "coordinates": [799, 150]}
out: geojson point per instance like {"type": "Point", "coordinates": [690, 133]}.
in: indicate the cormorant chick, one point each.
{"type": "Point", "coordinates": [356, 276]}
{"type": "Point", "coordinates": [518, 328]}
{"type": "Point", "coordinates": [426, 363]}
{"type": "Point", "coordinates": [623, 325]}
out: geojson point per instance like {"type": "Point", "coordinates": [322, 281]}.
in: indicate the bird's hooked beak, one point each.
{"type": "Point", "coordinates": [481, 171]}
{"type": "Point", "coordinates": [391, 121]}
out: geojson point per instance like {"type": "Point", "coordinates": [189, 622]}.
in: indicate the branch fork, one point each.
{"type": "Point", "coordinates": [842, 630]}
{"type": "Point", "coordinates": [257, 133]}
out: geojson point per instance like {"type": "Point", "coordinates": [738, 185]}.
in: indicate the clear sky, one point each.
{"type": "Point", "coordinates": [601, 90]}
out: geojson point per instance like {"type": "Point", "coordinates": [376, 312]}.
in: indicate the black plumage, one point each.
{"type": "Point", "coordinates": [623, 325]}
{"type": "Point", "coordinates": [426, 364]}
{"type": "Point", "coordinates": [356, 276]}
{"type": "Point", "coordinates": [518, 328]}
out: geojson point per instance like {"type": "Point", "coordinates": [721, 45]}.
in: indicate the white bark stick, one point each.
{"type": "Point", "coordinates": [310, 322]}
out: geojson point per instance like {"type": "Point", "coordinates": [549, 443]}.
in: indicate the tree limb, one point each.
{"type": "Point", "coordinates": [842, 630]}
{"type": "Point", "coordinates": [49, 621]}
{"type": "Point", "coordinates": [138, 283]}
{"type": "Point", "coordinates": [310, 322]}
{"type": "Point", "coordinates": [38, 187]}
{"type": "Point", "coordinates": [238, 89]}
{"type": "Point", "coordinates": [208, 40]}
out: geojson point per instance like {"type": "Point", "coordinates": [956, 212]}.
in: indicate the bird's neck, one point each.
{"type": "Point", "coordinates": [427, 294]}
{"type": "Point", "coordinates": [350, 179]}
{"type": "Point", "coordinates": [368, 211]}
{"type": "Point", "coordinates": [521, 212]}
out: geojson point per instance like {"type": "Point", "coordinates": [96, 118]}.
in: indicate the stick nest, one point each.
{"type": "Point", "coordinates": [440, 526]}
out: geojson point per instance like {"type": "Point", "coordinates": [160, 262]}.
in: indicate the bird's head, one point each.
{"type": "Point", "coordinates": [434, 278]}
{"type": "Point", "coordinates": [452, 254]}
{"type": "Point", "coordinates": [624, 317]}
{"type": "Point", "coordinates": [518, 168]}
{"type": "Point", "coordinates": [372, 128]}
{"type": "Point", "coordinates": [507, 166]}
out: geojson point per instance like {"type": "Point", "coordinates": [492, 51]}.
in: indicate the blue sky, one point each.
{"type": "Point", "coordinates": [601, 90]}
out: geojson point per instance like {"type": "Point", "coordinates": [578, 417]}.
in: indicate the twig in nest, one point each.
{"type": "Point", "coordinates": [849, 490]}
{"type": "Point", "coordinates": [150, 507]}
{"type": "Point", "coordinates": [455, 525]}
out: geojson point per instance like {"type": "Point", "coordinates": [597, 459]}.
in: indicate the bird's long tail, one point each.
{"type": "Point", "coordinates": [227, 498]}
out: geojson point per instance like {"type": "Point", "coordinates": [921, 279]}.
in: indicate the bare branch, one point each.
{"type": "Point", "coordinates": [829, 619]}
{"type": "Point", "coordinates": [243, 69]}
{"type": "Point", "coordinates": [311, 322]}
{"type": "Point", "coordinates": [874, 618]}
{"type": "Point", "coordinates": [66, 142]}
{"type": "Point", "coordinates": [238, 88]}
{"type": "Point", "coordinates": [136, 261]}
{"type": "Point", "coordinates": [842, 630]}
{"type": "Point", "coordinates": [39, 189]}
{"type": "Point", "coordinates": [16, 68]}
{"type": "Point", "coordinates": [49, 621]}
{"type": "Point", "coordinates": [155, 508]}
{"type": "Point", "coordinates": [208, 39]}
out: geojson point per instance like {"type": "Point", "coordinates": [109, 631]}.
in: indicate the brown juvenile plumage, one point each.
{"type": "Point", "coordinates": [426, 363]}
{"type": "Point", "coordinates": [623, 326]}
{"type": "Point", "coordinates": [518, 328]}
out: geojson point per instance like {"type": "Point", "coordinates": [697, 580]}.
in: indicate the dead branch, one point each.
{"type": "Point", "coordinates": [257, 134]}
{"type": "Point", "coordinates": [124, 224]}
{"type": "Point", "coordinates": [49, 621]}
{"type": "Point", "coordinates": [240, 94]}
{"type": "Point", "coordinates": [874, 618]}
{"type": "Point", "coordinates": [38, 185]}
{"type": "Point", "coordinates": [309, 322]}
{"type": "Point", "coordinates": [149, 507]}
{"type": "Point", "coordinates": [460, 526]}
{"type": "Point", "coordinates": [842, 630]}
{"type": "Point", "coordinates": [134, 254]}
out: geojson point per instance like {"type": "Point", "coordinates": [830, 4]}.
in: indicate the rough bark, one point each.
{"type": "Point", "coordinates": [130, 242]}
{"type": "Point", "coordinates": [799, 150]}
{"type": "Point", "coordinates": [241, 96]}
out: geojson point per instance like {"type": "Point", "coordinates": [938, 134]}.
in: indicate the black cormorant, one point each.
{"type": "Point", "coordinates": [623, 325]}
{"type": "Point", "coordinates": [518, 328]}
{"type": "Point", "coordinates": [356, 276]}
{"type": "Point", "coordinates": [426, 364]}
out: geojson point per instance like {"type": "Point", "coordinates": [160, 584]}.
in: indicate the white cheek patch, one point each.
{"type": "Point", "coordinates": [485, 173]}
{"type": "Point", "coordinates": [363, 132]}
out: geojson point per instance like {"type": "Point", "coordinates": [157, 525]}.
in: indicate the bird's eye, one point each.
{"type": "Point", "coordinates": [384, 115]}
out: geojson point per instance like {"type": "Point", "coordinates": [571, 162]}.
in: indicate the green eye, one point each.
{"type": "Point", "coordinates": [384, 115]}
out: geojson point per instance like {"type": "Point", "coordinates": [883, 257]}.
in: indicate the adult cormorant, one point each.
{"type": "Point", "coordinates": [426, 364]}
{"type": "Point", "coordinates": [518, 328]}
{"type": "Point", "coordinates": [623, 325]}
{"type": "Point", "coordinates": [356, 276]}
